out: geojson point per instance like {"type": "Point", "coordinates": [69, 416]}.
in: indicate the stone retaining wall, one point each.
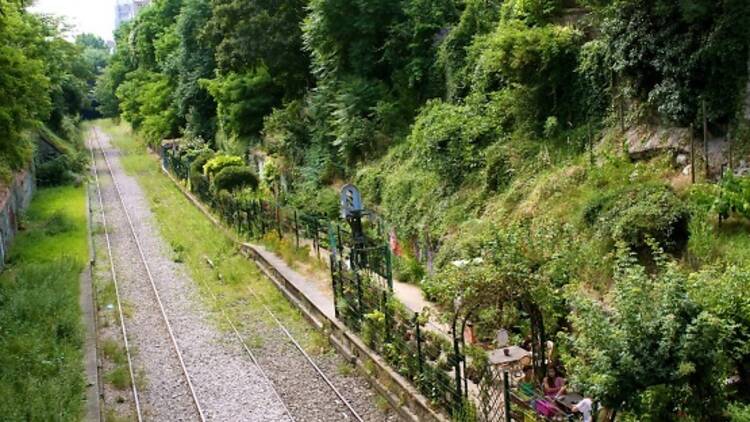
{"type": "Point", "coordinates": [14, 199]}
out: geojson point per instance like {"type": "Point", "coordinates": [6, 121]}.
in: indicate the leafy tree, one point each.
{"type": "Point", "coordinates": [478, 17]}
{"type": "Point", "coordinates": [650, 349]}
{"type": "Point", "coordinates": [722, 292]}
{"type": "Point", "coordinates": [195, 61]}
{"type": "Point", "coordinates": [347, 37]}
{"type": "Point", "coordinates": [243, 100]}
{"type": "Point", "coordinates": [121, 63]}
{"type": "Point", "coordinates": [24, 99]}
{"type": "Point", "coordinates": [676, 54]}
{"type": "Point", "coordinates": [95, 55]}
{"type": "Point", "coordinates": [250, 35]}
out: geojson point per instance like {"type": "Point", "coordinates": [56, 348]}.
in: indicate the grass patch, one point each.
{"type": "Point", "coordinates": [41, 337]}
{"type": "Point", "coordinates": [194, 240]}
{"type": "Point", "coordinates": [118, 377]}
{"type": "Point", "coordinates": [346, 369]}
{"type": "Point", "coordinates": [111, 415]}
{"type": "Point", "coordinates": [114, 352]}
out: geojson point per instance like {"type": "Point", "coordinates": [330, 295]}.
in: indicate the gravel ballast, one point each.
{"type": "Point", "coordinates": [228, 385]}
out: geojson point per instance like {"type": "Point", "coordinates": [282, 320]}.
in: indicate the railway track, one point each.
{"type": "Point", "coordinates": [113, 273]}
{"type": "Point", "coordinates": [327, 384]}
{"type": "Point", "coordinates": [346, 410]}
{"type": "Point", "coordinates": [155, 291]}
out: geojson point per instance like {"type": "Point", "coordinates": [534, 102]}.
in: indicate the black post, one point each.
{"type": "Point", "coordinates": [360, 307]}
{"type": "Point", "coordinates": [456, 363]}
{"type": "Point", "coordinates": [277, 210]}
{"type": "Point", "coordinates": [317, 241]}
{"type": "Point", "coordinates": [261, 218]}
{"type": "Point", "coordinates": [296, 228]}
{"type": "Point", "coordinates": [334, 285]}
{"type": "Point", "coordinates": [506, 396]}
{"type": "Point", "coordinates": [705, 140]}
{"type": "Point", "coordinates": [387, 313]}
{"type": "Point", "coordinates": [692, 155]}
{"type": "Point", "coordinates": [729, 140]}
{"type": "Point", "coordinates": [419, 342]}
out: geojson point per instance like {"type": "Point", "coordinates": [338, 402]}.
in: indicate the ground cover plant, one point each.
{"type": "Point", "coordinates": [42, 338]}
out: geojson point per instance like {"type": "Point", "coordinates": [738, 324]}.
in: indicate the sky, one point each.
{"type": "Point", "coordinates": [95, 16]}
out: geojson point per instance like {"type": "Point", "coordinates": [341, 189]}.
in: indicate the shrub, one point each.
{"type": "Point", "coordinates": [409, 270]}
{"type": "Point", "coordinates": [733, 197]}
{"type": "Point", "coordinates": [199, 182]}
{"type": "Point", "coordinates": [318, 201]}
{"type": "Point", "coordinates": [448, 139]}
{"type": "Point", "coordinates": [635, 214]}
{"type": "Point", "coordinates": [216, 164]}
{"type": "Point", "coordinates": [60, 170]}
{"type": "Point", "coordinates": [497, 170]}
{"type": "Point", "coordinates": [235, 177]}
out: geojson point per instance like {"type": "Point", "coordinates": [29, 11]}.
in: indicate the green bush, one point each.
{"type": "Point", "coordinates": [318, 201]}
{"type": "Point", "coordinates": [409, 270]}
{"type": "Point", "coordinates": [636, 213]}
{"type": "Point", "coordinates": [216, 164]}
{"type": "Point", "coordinates": [448, 139]}
{"type": "Point", "coordinates": [733, 197]}
{"type": "Point", "coordinates": [198, 181]}
{"type": "Point", "coordinates": [60, 170]}
{"type": "Point", "coordinates": [235, 177]}
{"type": "Point", "coordinates": [497, 171]}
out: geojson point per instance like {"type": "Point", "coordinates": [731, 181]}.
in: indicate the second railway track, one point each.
{"type": "Point", "coordinates": [298, 386]}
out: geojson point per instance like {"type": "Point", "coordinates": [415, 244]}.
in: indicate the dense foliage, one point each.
{"type": "Point", "coordinates": [487, 132]}
{"type": "Point", "coordinates": [46, 81]}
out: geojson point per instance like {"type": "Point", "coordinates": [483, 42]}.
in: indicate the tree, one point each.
{"type": "Point", "coordinates": [95, 55]}
{"type": "Point", "coordinates": [24, 99]}
{"type": "Point", "coordinates": [649, 349]}
{"type": "Point", "coordinates": [722, 292]}
{"type": "Point", "coordinates": [195, 61]}
{"type": "Point", "coordinates": [250, 35]}
{"type": "Point", "coordinates": [676, 54]}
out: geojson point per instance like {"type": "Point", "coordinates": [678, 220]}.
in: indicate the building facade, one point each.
{"type": "Point", "coordinates": [128, 9]}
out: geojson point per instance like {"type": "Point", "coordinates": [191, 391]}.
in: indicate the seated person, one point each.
{"type": "Point", "coordinates": [584, 408]}
{"type": "Point", "coordinates": [527, 384]}
{"type": "Point", "coordinates": [553, 385]}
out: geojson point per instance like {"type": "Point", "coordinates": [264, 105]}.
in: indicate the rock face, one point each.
{"type": "Point", "coordinates": [645, 142]}
{"type": "Point", "coordinates": [14, 199]}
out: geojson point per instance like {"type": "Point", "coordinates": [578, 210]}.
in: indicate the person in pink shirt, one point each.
{"type": "Point", "coordinates": [553, 385]}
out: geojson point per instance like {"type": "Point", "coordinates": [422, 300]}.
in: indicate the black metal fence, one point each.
{"type": "Point", "coordinates": [365, 302]}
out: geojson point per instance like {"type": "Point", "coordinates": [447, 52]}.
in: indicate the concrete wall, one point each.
{"type": "Point", "coordinates": [14, 199]}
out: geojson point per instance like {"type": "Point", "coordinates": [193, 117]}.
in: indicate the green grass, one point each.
{"type": "Point", "coordinates": [41, 337]}
{"type": "Point", "coordinates": [118, 377]}
{"type": "Point", "coordinates": [193, 238]}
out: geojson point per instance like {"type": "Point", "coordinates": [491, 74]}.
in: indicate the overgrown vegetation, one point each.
{"type": "Point", "coordinates": [487, 129]}
{"type": "Point", "coordinates": [47, 86]}
{"type": "Point", "coordinates": [42, 339]}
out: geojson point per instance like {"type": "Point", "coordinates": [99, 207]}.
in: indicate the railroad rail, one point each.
{"type": "Point", "coordinates": [168, 324]}
{"type": "Point", "coordinates": [136, 400]}
{"type": "Point", "coordinates": [296, 344]}
{"type": "Point", "coordinates": [319, 373]}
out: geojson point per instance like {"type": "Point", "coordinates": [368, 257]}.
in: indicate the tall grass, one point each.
{"type": "Point", "coordinates": [41, 338]}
